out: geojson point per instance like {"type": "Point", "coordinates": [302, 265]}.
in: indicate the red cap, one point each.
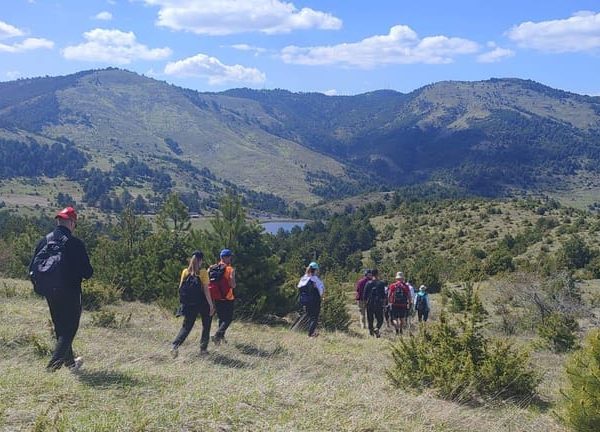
{"type": "Point", "coordinates": [67, 213]}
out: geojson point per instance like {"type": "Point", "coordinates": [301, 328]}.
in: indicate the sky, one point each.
{"type": "Point", "coordinates": [336, 47]}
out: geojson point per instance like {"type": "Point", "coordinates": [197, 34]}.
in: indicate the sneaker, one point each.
{"type": "Point", "coordinates": [77, 363]}
{"type": "Point", "coordinates": [377, 334]}
{"type": "Point", "coordinates": [397, 331]}
{"type": "Point", "coordinates": [216, 340]}
{"type": "Point", "coordinates": [203, 352]}
{"type": "Point", "coordinates": [174, 351]}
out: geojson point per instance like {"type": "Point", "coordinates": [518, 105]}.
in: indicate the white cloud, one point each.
{"type": "Point", "coordinates": [400, 46]}
{"type": "Point", "coordinates": [223, 17]}
{"type": "Point", "coordinates": [216, 72]}
{"type": "Point", "coordinates": [579, 33]}
{"type": "Point", "coordinates": [13, 74]}
{"type": "Point", "coordinates": [104, 16]}
{"type": "Point", "coordinates": [113, 46]}
{"type": "Point", "coordinates": [332, 92]}
{"type": "Point", "coordinates": [9, 31]}
{"type": "Point", "coordinates": [495, 55]}
{"type": "Point", "coordinates": [250, 48]}
{"type": "Point", "coordinates": [28, 44]}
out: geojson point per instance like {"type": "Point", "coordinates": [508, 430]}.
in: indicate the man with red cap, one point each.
{"type": "Point", "coordinates": [60, 262]}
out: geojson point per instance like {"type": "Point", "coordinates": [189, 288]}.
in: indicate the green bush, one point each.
{"type": "Point", "coordinates": [581, 405]}
{"type": "Point", "coordinates": [334, 314]}
{"type": "Point", "coordinates": [557, 331]}
{"type": "Point", "coordinates": [110, 319]}
{"type": "Point", "coordinates": [97, 294]}
{"type": "Point", "coordinates": [458, 362]}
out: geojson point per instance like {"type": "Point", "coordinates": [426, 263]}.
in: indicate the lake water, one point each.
{"type": "Point", "coordinates": [273, 227]}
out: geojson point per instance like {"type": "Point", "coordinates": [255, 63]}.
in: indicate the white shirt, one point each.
{"type": "Point", "coordinates": [318, 283]}
{"type": "Point", "coordinates": [412, 293]}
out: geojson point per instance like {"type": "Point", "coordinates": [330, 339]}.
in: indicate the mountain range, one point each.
{"type": "Point", "coordinates": [485, 137]}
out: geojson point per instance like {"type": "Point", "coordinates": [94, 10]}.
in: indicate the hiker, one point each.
{"type": "Point", "coordinates": [422, 304]}
{"type": "Point", "coordinates": [359, 297]}
{"type": "Point", "coordinates": [399, 298]}
{"type": "Point", "coordinates": [375, 297]}
{"type": "Point", "coordinates": [60, 262]}
{"type": "Point", "coordinates": [386, 305]}
{"type": "Point", "coordinates": [411, 304]}
{"type": "Point", "coordinates": [221, 285]}
{"type": "Point", "coordinates": [311, 292]}
{"type": "Point", "coordinates": [194, 299]}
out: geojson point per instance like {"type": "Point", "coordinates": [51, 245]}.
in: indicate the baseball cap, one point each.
{"type": "Point", "coordinates": [314, 265]}
{"type": "Point", "coordinates": [368, 272]}
{"type": "Point", "coordinates": [225, 253]}
{"type": "Point", "coordinates": [67, 213]}
{"type": "Point", "coordinates": [399, 275]}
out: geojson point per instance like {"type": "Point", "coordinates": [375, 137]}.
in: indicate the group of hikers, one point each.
{"type": "Point", "coordinates": [60, 263]}
{"type": "Point", "coordinates": [396, 303]}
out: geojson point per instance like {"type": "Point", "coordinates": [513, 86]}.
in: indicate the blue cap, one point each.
{"type": "Point", "coordinates": [314, 265]}
{"type": "Point", "coordinates": [225, 253]}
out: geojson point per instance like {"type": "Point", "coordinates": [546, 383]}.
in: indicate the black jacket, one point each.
{"type": "Point", "coordinates": [374, 292]}
{"type": "Point", "coordinates": [77, 261]}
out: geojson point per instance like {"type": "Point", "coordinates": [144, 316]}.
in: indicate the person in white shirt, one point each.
{"type": "Point", "coordinates": [311, 292]}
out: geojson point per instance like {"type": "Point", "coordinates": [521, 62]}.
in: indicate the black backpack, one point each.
{"type": "Point", "coordinates": [216, 272]}
{"type": "Point", "coordinates": [400, 298]}
{"type": "Point", "coordinates": [48, 268]}
{"type": "Point", "coordinates": [373, 294]}
{"type": "Point", "coordinates": [421, 303]}
{"type": "Point", "coordinates": [307, 293]}
{"type": "Point", "coordinates": [190, 291]}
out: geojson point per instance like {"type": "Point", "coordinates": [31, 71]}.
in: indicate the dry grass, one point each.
{"type": "Point", "coordinates": [265, 378]}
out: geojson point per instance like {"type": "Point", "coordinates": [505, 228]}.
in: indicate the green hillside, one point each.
{"type": "Point", "coordinates": [492, 138]}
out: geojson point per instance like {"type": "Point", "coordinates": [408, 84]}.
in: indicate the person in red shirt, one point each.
{"type": "Point", "coordinates": [360, 298]}
{"type": "Point", "coordinates": [399, 300]}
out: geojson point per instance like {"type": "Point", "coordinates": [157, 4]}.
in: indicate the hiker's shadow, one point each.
{"type": "Point", "coordinates": [253, 350]}
{"type": "Point", "coordinates": [225, 360]}
{"type": "Point", "coordinates": [104, 378]}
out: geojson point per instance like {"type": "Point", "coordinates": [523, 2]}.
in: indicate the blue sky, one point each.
{"type": "Point", "coordinates": [329, 46]}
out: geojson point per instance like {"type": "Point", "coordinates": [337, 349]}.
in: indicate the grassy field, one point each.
{"type": "Point", "coordinates": [265, 378]}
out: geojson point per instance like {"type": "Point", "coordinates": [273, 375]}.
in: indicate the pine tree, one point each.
{"type": "Point", "coordinates": [582, 397]}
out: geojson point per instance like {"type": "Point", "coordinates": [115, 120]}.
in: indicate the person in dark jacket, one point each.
{"type": "Point", "coordinates": [360, 299]}
{"type": "Point", "coordinates": [64, 302]}
{"type": "Point", "coordinates": [374, 295]}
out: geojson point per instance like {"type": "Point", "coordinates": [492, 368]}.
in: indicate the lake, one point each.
{"type": "Point", "coordinates": [287, 225]}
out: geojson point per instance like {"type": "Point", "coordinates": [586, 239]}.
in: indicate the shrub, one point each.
{"type": "Point", "coordinates": [581, 404]}
{"type": "Point", "coordinates": [110, 319]}
{"type": "Point", "coordinates": [458, 362]}
{"type": "Point", "coordinates": [334, 315]}
{"type": "Point", "coordinates": [557, 331]}
{"type": "Point", "coordinates": [96, 294]}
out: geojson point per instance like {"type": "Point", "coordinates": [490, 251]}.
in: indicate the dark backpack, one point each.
{"type": "Point", "coordinates": [307, 293]}
{"type": "Point", "coordinates": [421, 303]}
{"type": "Point", "coordinates": [190, 291]}
{"type": "Point", "coordinates": [400, 298]}
{"type": "Point", "coordinates": [48, 272]}
{"type": "Point", "coordinates": [373, 294]}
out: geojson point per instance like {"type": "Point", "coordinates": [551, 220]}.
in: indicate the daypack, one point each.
{"type": "Point", "coordinates": [421, 303]}
{"type": "Point", "coordinates": [216, 281]}
{"type": "Point", "coordinates": [307, 293]}
{"type": "Point", "coordinates": [373, 296]}
{"type": "Point", "coordinates": [190, 290]}
{"type": "Point", "coordinates": [48, 270]}
{"type": "Point", "coordinates": [400, 299]}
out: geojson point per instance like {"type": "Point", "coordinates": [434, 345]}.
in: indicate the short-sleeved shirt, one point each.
{"type": "Point", "coordinates": [202, 274]}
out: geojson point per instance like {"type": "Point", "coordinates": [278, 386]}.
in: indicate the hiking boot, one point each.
{"type": "Point", "coordinates": [203, 352]}
{"type": "Point", "coordinates": [76, 366]}
{"type": "Point", "coordinates": [397, 332]}
{"type": "Point", "coordinates": [174, 351]}
{"type": "Point", "coordinates": [377, 334]}
{"type": "Point", "coordinates": [371, 332]}
{"type": "Point", "coordinates": [216, 340]}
